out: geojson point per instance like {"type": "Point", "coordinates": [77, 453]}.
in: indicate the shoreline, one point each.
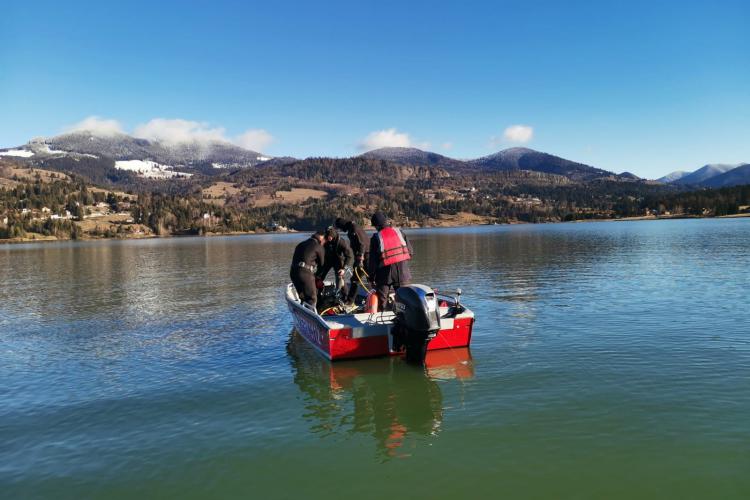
{"type": "Point", "coordinates": [53, 239]}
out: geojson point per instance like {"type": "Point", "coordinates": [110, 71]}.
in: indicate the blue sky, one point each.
{"type": "Point", "coordinates": [648, 87]}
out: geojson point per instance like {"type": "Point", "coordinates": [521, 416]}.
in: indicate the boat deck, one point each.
{"type": "Point", "coordinates": [363, 324]}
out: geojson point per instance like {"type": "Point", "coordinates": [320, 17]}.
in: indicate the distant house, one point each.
{"type": "Point", "coordinates": [46, 210]}
{"type": "Point", "coordinates": [272, 226]}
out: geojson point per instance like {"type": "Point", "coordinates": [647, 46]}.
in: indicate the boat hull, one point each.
{"type": "Point", "coordinates": [367, 335]}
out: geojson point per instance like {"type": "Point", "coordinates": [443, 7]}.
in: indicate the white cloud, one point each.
{"type": "Point", "coordinates": [177, 131]}
{"type": "Point", "coordinates": [255, 139]}
{"type": "Point", "coordinates": [390, 138]}
{"type": "Point", "coordinates": [97, 126]}
{"type": "Point", "coordinates": [515, 134]}
{"type": "Point", "coordinates": [519, 134]}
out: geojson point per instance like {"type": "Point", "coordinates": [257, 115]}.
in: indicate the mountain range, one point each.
{"type": "Point", "coordinates": [712, 175]}
{"type": "Point", "coordinates": [161, 160]}
{"type": "Point", "coordinates": [154, 155]}
{"type": "Point", "coordinates": [154, 159]}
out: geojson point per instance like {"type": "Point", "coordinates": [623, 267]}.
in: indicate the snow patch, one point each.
{"type": "Point", "coordinates": [149, 169]}
{"type": "Point", "coordinates": [55, 151]}
{"type": "Point", "coordinates": [44, 148]}
{"type": "Point", "coordinates": [17, 152]}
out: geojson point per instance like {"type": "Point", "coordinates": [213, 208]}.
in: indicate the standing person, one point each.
{"type": "Point", "coordinates": [390, 253]}
{"type": "Point", "coordinates": [338, 256]}
{"type": "Point", "coordinates": [308, 257]}
{"type": "Point", "coordinates": [361, 249]}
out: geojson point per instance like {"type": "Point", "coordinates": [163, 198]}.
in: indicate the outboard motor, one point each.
{"type": "Point", "coordinates": [417, 320]}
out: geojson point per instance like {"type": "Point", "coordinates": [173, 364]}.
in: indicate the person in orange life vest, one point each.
{"type": "Point", "coordinates": [390, 253]}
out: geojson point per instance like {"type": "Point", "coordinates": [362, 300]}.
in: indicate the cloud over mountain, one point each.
{"type": "Point", "coordinates": [254, 139]}
{"type": "Point", "coordinates": [175, 131]}
{"type": "Point", "coordinates": [100, 127]}
{"type": "Point", "coordinates": [389, 138]}
{"type": "Point", "coordinates": [516, 134]}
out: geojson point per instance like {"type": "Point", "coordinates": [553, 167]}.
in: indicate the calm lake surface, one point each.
{"type": "Point", "coordinates": [609, 360]}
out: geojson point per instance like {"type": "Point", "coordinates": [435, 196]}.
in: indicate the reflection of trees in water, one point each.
{"type": "Point", "coordinates": [397, 404]}
{"type": "Point", "coordinates": [519, 255]}
{"type": "Point", "coordinates": [512, 273]}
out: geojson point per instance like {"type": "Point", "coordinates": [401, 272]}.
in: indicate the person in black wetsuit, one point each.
{"type": "Point", "coordinates": [390, 253]}
{"type": "Point", "coordinates": [338, 256]}
{"type": "Point", "coordinates": [308, 257]}
{"type": "Point", "coordinates": [361, 248]}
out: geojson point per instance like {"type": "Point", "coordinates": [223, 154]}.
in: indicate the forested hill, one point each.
{"type": "Point", "coordinates": [88, 192]}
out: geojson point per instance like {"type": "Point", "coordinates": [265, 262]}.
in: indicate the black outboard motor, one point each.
{"type": "Point", "coordinates": [417, 320]}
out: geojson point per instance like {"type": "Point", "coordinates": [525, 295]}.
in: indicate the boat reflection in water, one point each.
{"type": "Point", "coordinates": [400, 405]}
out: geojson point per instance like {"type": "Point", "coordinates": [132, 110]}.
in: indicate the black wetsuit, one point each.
{"type": "Point", "coordinates": [388, 278]}
{"type": "Point", "coordinates": [338, 255]}
{"type": "Point", "coordinates": [308, 258]}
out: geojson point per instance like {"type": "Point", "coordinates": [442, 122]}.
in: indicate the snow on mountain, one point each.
{"type": "Point", "coordinates": [734, 177]}
{"type": "Point", "coordinates": [706, 172]}
{"type": "Point", "coordinates": [45, 149]}
{"type": "Point", "coordinates": [147, 158]}
{"type": "Point", "coordinates": [22, 153]}
{"type": "Point", "coordinates": [529, 159]}
{"type": "Point", "coordinates": [123, 147]}
{"type": "Point", "coordinates": [37, 148]}
{"type": "Point", "coordinates": [412, 156]}
{"type": "Point", "coordinates": [672, 177]}
{"type": "Point", "coordinates": [149, 169]}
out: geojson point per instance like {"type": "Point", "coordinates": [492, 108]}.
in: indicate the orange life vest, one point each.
{"type": "Point", "coordinates": [392, 246]}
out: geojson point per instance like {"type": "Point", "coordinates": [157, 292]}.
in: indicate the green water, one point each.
{"type": "Point", "coordinates": [609, 360]}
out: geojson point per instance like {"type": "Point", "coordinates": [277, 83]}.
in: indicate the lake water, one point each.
{"type": "Point", "coordinates": [609, 360]}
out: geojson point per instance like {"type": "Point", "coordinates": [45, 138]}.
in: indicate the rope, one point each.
{"type": "Point", "coordinates": [359, 278]}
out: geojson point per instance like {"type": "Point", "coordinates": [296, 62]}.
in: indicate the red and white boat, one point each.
{"type": "Point", "coordinates": [420, 320]}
